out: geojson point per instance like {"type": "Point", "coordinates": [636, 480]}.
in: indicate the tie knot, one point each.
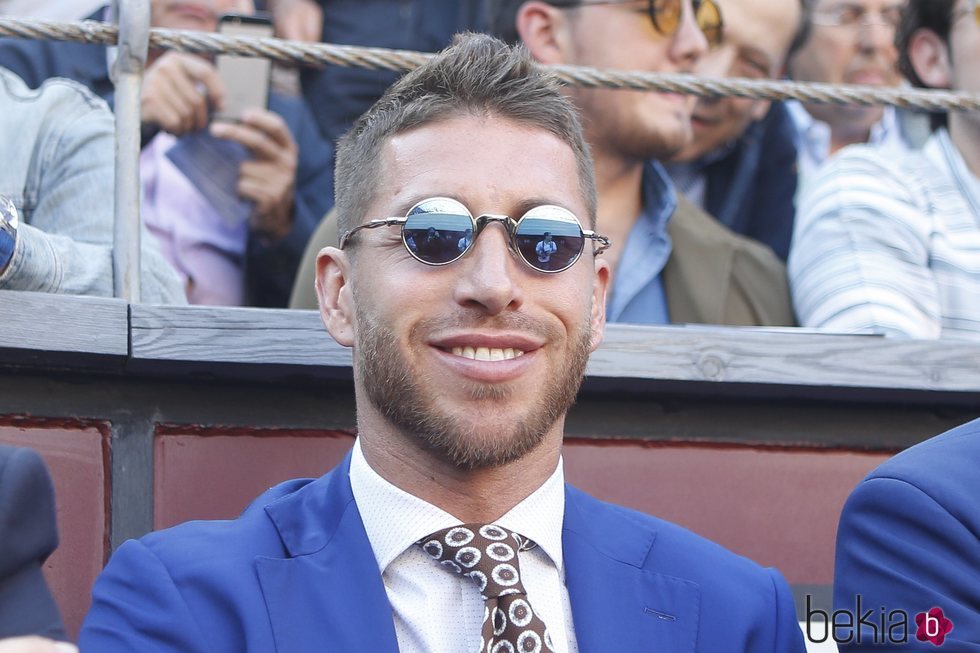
{"type": "Point", "coordinates": [486, 553]}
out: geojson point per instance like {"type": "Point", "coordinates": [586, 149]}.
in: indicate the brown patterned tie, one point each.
{"type": "Point", "coordinates": [487, 554]}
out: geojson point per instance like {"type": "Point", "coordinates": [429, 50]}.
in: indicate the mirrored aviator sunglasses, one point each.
{"type": "Point", "coordinates": [440, 230]}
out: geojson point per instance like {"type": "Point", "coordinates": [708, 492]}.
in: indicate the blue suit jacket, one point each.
{"type": "Point", "coordinates": [296, 573]}
{"type": "Point", "coordinates": [909, 539]}
{"type": "Point", "coordinates": [269, 268]}
{"type": "Point", "coordinates": [28, 535]}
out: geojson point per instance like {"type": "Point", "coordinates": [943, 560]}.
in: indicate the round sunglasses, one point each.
{"type": "Point", "coordinates": [666, 15]}
{"type": "Point", "coordinates": [440, 230]}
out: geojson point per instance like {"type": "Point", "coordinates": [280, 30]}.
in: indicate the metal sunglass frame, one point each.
{"type": "Point", "coordinates": [478, 224]}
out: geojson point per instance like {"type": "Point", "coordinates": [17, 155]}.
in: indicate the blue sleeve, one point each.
{"type": "Point", "coordinates": [788, 637]}
{"type": "Point", "coordinates": [28, 535]}
{"type": "Point", "coordinates": [901, 549]}
{"type": "Point", "coordinates": [272, 267]}
{"type": "Point", "coordinates": [136, 606]}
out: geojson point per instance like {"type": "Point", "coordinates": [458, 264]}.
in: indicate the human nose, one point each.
{"type": "Point", "coordinates": [489, 274]}
{"type": "Point", "coordinates": [875, 32]}
{"type": "Point", "coordinates": [689, 43]}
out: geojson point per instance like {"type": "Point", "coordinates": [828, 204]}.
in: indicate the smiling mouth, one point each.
{"type": "Point", "coordinates": [486, 353]}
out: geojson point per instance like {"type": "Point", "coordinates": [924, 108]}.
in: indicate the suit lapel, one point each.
{"type": "Point", "coordinates": [698, 273]}
{"type": "Point", "coordinates": [616, 603]}
{"type": "Point", "coordinates": [327, 596]}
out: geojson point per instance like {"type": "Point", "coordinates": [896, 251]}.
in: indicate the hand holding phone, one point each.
{"type": "Point", "coordinates": [245, 79]}
{"type": "Point", "coordinates": [179, 92]}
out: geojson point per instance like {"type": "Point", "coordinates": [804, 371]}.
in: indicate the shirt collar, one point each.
{"type": "Point", "coordinates": [814, 135]}
{"type": "Point", "coordinates": [394, 519]}
{"type": "Point", "coordinates": [968, 183]}
{"type": "Point", "coordinates": [648, 244]}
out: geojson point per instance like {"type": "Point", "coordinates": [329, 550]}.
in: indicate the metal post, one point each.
{"type": "Point", "coordinates": [133, 18]}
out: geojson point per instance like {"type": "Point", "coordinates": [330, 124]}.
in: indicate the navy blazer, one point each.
{"type": "Point", "coordinates": [296, 573]}
{"type": "Point", "coordinates": [269, 268]}
{"type": "Point", "coordinates": [751, 189]}
{"type": "Point", "coordinates": [909, 539]}
{"type": "Point", "coordinates": [28, 535]}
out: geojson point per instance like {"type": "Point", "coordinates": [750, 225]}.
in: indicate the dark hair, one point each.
{"type": "Point", "coordinates": [803, 30]}
{"type": "Point", "coordinates": [934, 15]}
{"type": "Point", "coordinates": [503, 17]}
{"type": "Point", "coordinates": [477, 75]}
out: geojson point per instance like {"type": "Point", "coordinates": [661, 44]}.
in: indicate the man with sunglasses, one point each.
{"type": "Point", "coordinates": [449, 527]}
{"type": "Point", "coordinates": [891, 243]}
{"type": "Point", "coordinates": [675, 263]}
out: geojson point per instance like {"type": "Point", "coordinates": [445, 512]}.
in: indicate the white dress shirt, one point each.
{"type": "Point", "coordinates": [813, 140]}
{"type": "Point", "coordinates": [419, 589]}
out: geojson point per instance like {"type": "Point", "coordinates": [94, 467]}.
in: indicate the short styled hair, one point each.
{"type": "Point", "coordinates": [804, 29]}
{"type": "Point", "coordinates": [477, 75]}
{"type": "Point", "coordinates": [934, 15]}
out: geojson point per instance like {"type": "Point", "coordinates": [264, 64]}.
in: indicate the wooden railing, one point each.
{"type": "Point", "coordinates": [150, 415]}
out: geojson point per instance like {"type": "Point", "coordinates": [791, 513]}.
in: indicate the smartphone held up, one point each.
{"type": "Point", "coordinates": [246, 79]}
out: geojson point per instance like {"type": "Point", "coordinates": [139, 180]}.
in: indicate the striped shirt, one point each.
{"type": "Point", "coordinates": [890, 244]}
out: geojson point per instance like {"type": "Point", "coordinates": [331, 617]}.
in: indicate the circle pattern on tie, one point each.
{"type": "Point", "coordinates": [483, 553]}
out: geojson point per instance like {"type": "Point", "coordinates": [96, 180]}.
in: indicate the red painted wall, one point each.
{"type": "Point", "coordinates": [75, 455]}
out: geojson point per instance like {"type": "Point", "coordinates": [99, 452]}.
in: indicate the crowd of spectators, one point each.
{"type": "Point", "coordinates": [705, 200]}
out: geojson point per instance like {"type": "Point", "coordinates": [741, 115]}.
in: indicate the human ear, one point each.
{"type": "Point", "coordinates": [544, 30]}
{"type": "Point", "coordinates": [333, 290]}
{"type": "Point", "coordinates": [600, 288]}
{"type": "Point", "coordinates": [929, 57]}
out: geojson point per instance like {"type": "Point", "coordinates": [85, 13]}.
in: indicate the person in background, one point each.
{"type": "Point", "coordinates": [740, 166]}
{"type": "Point", "coordinates": [235, 241]}
{"type": "Point", "coordinates": [846, 42]}
{"type": "Point", "coordinates": [891, 243]}
{"type": "Point", "coordinates": [673, 263]}
{"type": "Point", "coordinates": [338, 95]}
{"type": "Point", "coordinates": [48, 9]}
{"type": "Point", "coordinates": [56, 195]}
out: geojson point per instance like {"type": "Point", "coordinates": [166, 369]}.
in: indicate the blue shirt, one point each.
{"type": "Point", "coordinates": [638, 291]}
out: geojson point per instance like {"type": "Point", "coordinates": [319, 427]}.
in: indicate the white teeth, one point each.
{"type": "Point", "coordinates": [487, 353]}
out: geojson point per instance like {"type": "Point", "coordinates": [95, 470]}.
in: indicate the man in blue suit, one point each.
{"type": "Point", "coordinates": [465, 364]}
{"type": "Point", "coordinates": [28, 535]}
{"type": "Point", "coordinates": [909, 540]}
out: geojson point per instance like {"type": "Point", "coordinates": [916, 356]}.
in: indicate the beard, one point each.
{"type": "Point", "coordinates": [406, 399]}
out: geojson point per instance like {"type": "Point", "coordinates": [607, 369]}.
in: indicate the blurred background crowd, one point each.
{"type": "Point", "coordinates": [721, 211]}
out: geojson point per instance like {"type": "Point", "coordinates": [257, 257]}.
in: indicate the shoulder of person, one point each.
{"type": "Point", "coordinates": [692, 224]}
{"type": "Point", "coordinates": [944, 466]}
{"type": "Point", "coordinates": [227, 543]}
{"type": "Point", "coordinates": [56, 95]}
{"type": "Point", "coordinates": [675, 550]}
{"type": "Point", "coordinates": [26, 507]}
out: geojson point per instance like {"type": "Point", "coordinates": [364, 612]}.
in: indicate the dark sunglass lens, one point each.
{"type": "Point", "coordinates": [549, 238]}
{"type": "Point", "coordinates": [438, 233]}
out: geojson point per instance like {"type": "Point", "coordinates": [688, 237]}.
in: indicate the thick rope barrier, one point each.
{"type": "Point", "coordinates": [320, 54]}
